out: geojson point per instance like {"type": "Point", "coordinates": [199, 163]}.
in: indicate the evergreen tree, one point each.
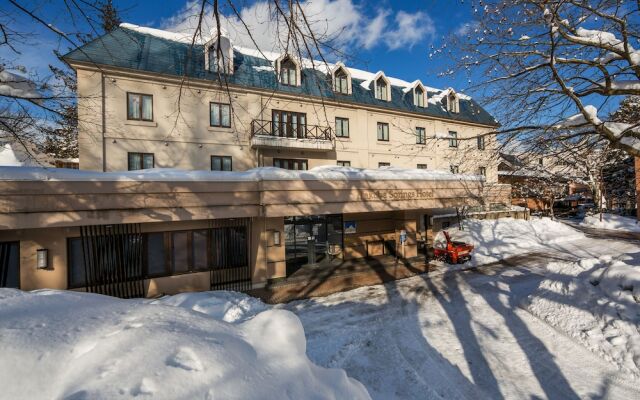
{"type": "Point", "coordinates": [110, 19]}
{"type": "Point", "coordinates": [61, 141]}
{"type": "Point", "coordinates": [629, 111]}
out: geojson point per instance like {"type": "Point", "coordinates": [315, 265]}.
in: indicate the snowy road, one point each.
{"type": "Point", "coordinates": [462, 335]}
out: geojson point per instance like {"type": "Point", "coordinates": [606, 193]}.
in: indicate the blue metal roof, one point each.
{"type": "Point", "coordinates": [125, 48]}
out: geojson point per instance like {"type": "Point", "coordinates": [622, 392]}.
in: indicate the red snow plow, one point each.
{"type": "Point", "coordinates": [451, 252]}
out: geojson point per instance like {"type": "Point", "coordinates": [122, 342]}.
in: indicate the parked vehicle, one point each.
{"type": "Point", "coordinates": [450, 251]}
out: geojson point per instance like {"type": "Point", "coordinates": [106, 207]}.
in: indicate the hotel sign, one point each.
{"type": "Point", "coordinates": [396, 194]}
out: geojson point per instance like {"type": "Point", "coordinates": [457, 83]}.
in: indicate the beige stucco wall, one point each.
{"type": "Point", "coordinates": [180, 135]}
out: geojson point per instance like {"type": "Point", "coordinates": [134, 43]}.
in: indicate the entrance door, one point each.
{"type": "Point", "coordinates": [10, 264]}
{"type": "Point", "coordinates": [307, 239]}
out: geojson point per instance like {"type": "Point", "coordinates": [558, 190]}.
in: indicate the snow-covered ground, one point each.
{"type": "Point", "coordinates": [611, 221]}
{"type": "Point", "coordinates": [481, 333]}
{"type": "Point", "coordinates": [66, 345]}
{"type": "Point", "coordinates": [557, 319]}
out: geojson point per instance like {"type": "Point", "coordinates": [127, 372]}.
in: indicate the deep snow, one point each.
{"type": "Point", "coordinates": [611, 221]}
{"type": "Point", "coordinates": [56, 344]}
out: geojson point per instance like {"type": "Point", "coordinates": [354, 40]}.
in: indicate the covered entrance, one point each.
{"type": "Point", "coordinates": [312, 240]}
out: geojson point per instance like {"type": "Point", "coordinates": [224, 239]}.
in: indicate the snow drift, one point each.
{"type": "Point", "coordinates": [611, 221]}
{"type": "Point", "coordinates": [495, 240]}
{"type": "Point", "coordinates": [597, 302]}
{"type": "Point", "coordinates": [57, 344]}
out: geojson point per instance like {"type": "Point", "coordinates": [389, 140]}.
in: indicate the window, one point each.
{"type": "Point", "coordinates": [453, 104]}
{"type": "Point", "coordinates": [343, 163]}
{"type": "Point", "coordinates": [288, 72]}
{"type": "Point", "coordinates": [482, 171]}
{"type": "Point", "coordinates": [454, 169]}
{"type": "Point", "coordinates": [341, 83]}
{"type": "Point", "coordinates": [75, 255]}
{"type": "Point", "coordinates": [220, 115]}
{"type": "Point", "coordinates": [421, 166]}
{"type": "Point", "coordinates": [418, 97]}
{"type": "Point", "coordinates": [156, 259]}
{"type": "Point", "coordinates": [10, 264]}
{"type": "Point", "coordinates": [291, 164]}
{"type": "Point", "coordinates": [221, 163]}
{"type": "Point", "coordinates": [342, 127]}
{"type": "Point", "coordinates": [541, 161]}
{"type": "Point", "coordinates": [381, 89]}
{"type": "Point", "coordinates": [289, 124]}
{"type": "Point", "coordinates": [214, 56]}
{"type": "Point", "coordinates": [383, 131]}
{"type": "Point", "coordinates": [421, 136]}
{"type": "Point", "coordinates": [453, 139]}
{"type": "Point", "coordinates": [140, 161]}
{"type": "Point", "coordinates": [139, 107]}
{"type": "Point", "coordinates": [480, 142]}
{"type": "Point", "coordinates": [383, 164]}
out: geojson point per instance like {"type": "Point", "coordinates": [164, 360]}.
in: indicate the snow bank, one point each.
{"type": "Point", "coordinates": [57, 344]}
{"type": "Point", "coordinates": [611, 221]}
{"type": "Point", "coordinates": [596, 301]}
{"type": "Point", "coordinates": [495, 240]}
{"type": "Point", "coordinates": [8, 156]}
{"type": "Point", "coordinates": [326, 172]}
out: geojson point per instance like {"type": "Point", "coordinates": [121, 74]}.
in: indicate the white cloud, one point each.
{"type": "Point", "coordinates": [341, 23]}
{"type": "Point", "coordinates": [466, 28]}
{"type": "Point", "coordinates": [409, 30]}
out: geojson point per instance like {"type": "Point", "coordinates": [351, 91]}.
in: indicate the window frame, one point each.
{"type": "Point", "coordinates": [339, 76]}
{"type": "Point", "coordinates": [482, 171]}
{"type": "Point", "coordinates": [453, 139]}
{"type": "Point", "coordinates": [288, 65]}
{"type": "Point", "coordinates": [342, 121]}
{"type": "Point", "coordinates": [343, 163]}
{"type": "Point", "coordinates": [418, 99]}
{"type": "Point", "coordinates": [421, 166]}
{"type": "Point", "coordinates": [296, 161]}
{"type": "Point", "coordinates": [383, 164]}
{"type": "Point", "coordinates": [377, 93]}
{"type": "Point", "coordinates": [130, 153]}
{"type": "Point", "coordinates": [480, 143]}
{"type": "Point", "coordinates": [455, 169]}
{"type": "Point", "coordinates": [222, 158]}
{"type": "Point", "coordinates": [383, 125]}
{"type": "Point", "coordinates": [129, 118]}
{"type": "Point", "coordinates": [421, 139]}
{"type": "Point", "coordinates": [211, 104]}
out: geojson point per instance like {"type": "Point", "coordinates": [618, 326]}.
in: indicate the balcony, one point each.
{"type": "Point", "coordinates": [279, 135]}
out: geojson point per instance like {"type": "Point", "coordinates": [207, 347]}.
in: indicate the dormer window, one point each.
{"type": "Point", "coordinates": [418, 97]}
{"type": "Point", "coordinates": [341, 81]}
{"type": "Point", "coordinates": [214, 59]}
{"type": "Point", "coordinates": [219, 55]}
{"type": "Point", "coordinates": [453, 103]}
{"type": "Point", "coordinates": [382, 89]}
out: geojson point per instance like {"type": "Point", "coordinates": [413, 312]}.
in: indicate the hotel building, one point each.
{"type": "Point", "coordinates": [204, 117]}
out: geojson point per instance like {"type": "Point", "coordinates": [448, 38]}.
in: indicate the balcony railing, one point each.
{"type": "Point", "coordinates": [291, 135]}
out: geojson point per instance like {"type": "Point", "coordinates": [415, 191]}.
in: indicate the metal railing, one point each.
{"type": "Point", "coordinates": [290, 130]}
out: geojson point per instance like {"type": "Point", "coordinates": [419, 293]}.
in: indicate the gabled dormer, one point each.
{"type": "Point", "coordinates": [341, 79]}
{"type": "Point", "coordinates": [218, 54]}
{"type": "Point", "coordinates": [288, 70]}
{"type": "Point", "coordinates": [453, 101]}
{"type": "Point", "coordinates": [418, 93]}
{"type": "Point", "coordinates": [381, 86]}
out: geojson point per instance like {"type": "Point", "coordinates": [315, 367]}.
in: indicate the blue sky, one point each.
{"type": "Point", "coordinates": [393, 36]}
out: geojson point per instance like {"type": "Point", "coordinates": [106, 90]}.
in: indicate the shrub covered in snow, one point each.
{"type": "Point", "coordinates": [57, 344]}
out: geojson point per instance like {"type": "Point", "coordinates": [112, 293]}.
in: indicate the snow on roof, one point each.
{"type": "Point", "coordinates": [273, 56]}
{"type": "Point", "coordinates": [327, 172]}
{"type": "Point", "coordinates": [14, 85]}
{"type": "Point", "coordinates": [579, 119]}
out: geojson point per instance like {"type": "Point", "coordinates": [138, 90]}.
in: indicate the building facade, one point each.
{"type": "Point", "coordinates": [147, 100]}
